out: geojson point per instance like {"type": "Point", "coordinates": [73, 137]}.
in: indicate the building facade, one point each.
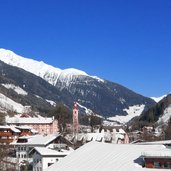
{"type": "Point", "coordinates": [42, 125]}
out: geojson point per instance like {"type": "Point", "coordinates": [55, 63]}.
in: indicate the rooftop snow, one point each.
{"type": "Point", "coordinates": [11, 128]}
{"type": "Point", "coordinates": [96, 156]}
{"type": "Point", "coordinates": [35, 120]}
{"type": "Point", "coordinates": [40, 140]}
{"type": "Point", "coordinates": [49, 152]}
{"type": "Point", "coordinates": [158, 153]}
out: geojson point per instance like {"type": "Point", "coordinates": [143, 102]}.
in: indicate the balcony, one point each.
{"type": "Point", "coordinates": [2, 133]}
{"type": "Point", "coordinates": [6, 140]}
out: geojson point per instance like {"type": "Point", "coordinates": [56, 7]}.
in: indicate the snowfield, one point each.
{"type": "Point", "coordinates": [17, 89]}
{"type": "Point", "coordinates": [9, 104]}
{"type": "Point", "coordinates": [132, 112]}
{"type": "Point", "coordinates": [166, 115]}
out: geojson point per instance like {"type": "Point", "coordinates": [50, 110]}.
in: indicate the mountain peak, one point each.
{"type": "Point", "coordinates": [39, 68]}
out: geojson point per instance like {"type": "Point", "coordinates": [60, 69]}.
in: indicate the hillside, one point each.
{"type": "Point", "coordinates": [156, 115]}
{"type": "Point", "coordinates": [45, 83]}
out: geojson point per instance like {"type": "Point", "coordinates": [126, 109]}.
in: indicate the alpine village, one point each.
{"type": "Point", "coordinates": [67, 120]}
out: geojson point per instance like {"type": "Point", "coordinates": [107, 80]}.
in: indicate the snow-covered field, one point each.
{"type": "Point", "coordinates": [9, 104]}
{"type": "Point", "coordinates": [132, 112]}
{"type": "Point", "coordinates": [17, 89]}
{"type": "Point", "coordinates": [166, 115]}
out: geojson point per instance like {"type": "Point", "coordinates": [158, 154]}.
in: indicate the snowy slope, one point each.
{"type": "Point", "coordinates": [8, 104]}
{"type": "Point", "coordinates": [17, 89]}
{"type": "Point", "coordinates": [166, 115]}
{"type": "Point", "coordinates": [39, 68]}
{"type": "Point", "coordinates": [132, 112]}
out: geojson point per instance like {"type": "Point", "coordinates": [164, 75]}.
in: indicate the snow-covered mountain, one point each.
{"type": "Point", "coordinates": [39, 68]}
{"type": "Point", "coordinates": [157, 99]}
{"type": "Point", "coordinates": [158, 114]}
{"type": "Point", "coordinates": [44, 84]}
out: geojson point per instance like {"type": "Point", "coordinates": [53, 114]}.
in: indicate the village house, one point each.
{"type": "Point", "coordinates": [157, 159]}
{"type": "Point", "coordinates": [114, 136]}
{"type": "Point", "coordinates": [8, 134]}
{"type": "Point", "coordinates": [45, 157]}
{"type": "Point", "coordinates": [25, 144]}
{"type": "Point", "coordinates": [43, 125]}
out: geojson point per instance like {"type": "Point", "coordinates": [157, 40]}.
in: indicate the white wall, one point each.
{"type": "Point", "coordinates": [37, 162]}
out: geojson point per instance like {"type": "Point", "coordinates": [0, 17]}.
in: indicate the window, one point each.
{"type": "Point", "coordinates": [169, 165]}
{"type": "Point", "coordinates": [157, 165]}
{"type": "Point", "coordinates": [18, 155]}
{"type": "Point", "coordinates": [18, 148]}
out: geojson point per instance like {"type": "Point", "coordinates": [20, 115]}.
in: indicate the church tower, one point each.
{"type": "Point", "coordinates": [75, 118]}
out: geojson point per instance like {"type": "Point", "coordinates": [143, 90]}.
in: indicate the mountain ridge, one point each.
{"type": "Point", "coordinates": [103, 97]}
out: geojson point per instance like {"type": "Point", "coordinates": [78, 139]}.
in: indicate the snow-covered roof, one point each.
{"type": "Point", "coordinates": [10, 127]}
{"type": "Point", "coordinates": [34, 131]}
{"type": "Point", "coordinates": [49, 152]}
{"type": "Point", "coordinates": [94, 136]}
{"type": "Point", "coordinates": [160, 153]}
{"type": "Point", "coordinates": [39, 140]}
{"type": "Point", "coordinates": [121, 131]}
{"type": "Point", "coordinates": [24, 127]}
{"type": "Point", "coordinates": [35, 120]}
{"type": "Point", "coordinates": [27, 128]}
{"type": "Point", "coordinates": [15, 129]}
{"type": "Point", "coordinates": [164, 142]}
{"type": "Point", "coordinates": [95, 156]}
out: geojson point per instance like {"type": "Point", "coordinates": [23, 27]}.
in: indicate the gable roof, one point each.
{"type": "Point", "coordinates": [39, 140]}
{"type": "Point", "coordinates": [12, 128]}
{"type": "Point", "coordinates": [95, 156]}
{"type": "Point", "coordinates": [49, 152]}
{"type": "Point", "coordinates": [29, 120]}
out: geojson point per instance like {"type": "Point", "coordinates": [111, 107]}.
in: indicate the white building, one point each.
{"type": "Point", "coordinates": [44, 157]}
{"type": "Point", "coordinates": [24, 145]}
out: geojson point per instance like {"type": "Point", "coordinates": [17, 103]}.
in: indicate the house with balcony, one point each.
{"type": "Point", "coordinates": [43, 125]}
{"type": "Point", "coordinates": [23, 145]}
{"type": "Point", "coordinates": [8, 134]}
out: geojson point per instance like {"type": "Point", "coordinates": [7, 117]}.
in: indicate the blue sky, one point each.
{"type": "Point", "coordinates": [127, 42]}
